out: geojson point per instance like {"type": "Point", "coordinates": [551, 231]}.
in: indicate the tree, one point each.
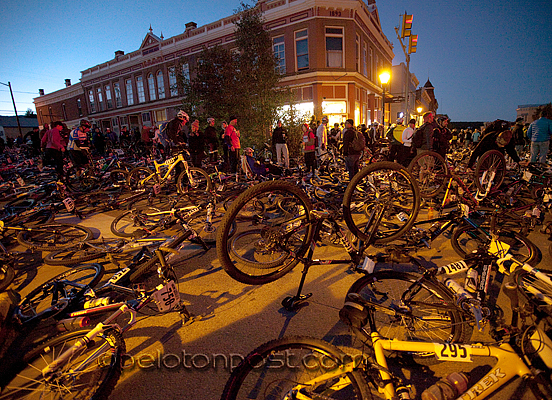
{"type": "Point", "coordinates": [30, 113]}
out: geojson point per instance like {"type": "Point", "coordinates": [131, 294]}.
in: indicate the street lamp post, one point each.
{"type": "Point", "coordinates": [14, 109]}
{"type": "Point", "coordinates": [384, 79]}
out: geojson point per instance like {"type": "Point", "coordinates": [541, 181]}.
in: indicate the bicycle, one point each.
{"type": "Point", "coordinates": [191, 180]}
{"type": "Point", "coordinates": [273, 226]}
{"type": "Point", "coordinates": [305, 367]}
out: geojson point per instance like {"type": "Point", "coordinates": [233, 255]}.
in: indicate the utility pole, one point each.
{"type": "Point", "coordinates": [14, 108]}
{"type": "Point", "coordinates": [413, 40]}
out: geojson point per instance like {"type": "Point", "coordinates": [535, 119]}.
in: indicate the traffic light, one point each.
{"type": "Point", "coordinates": [413, 42]}
{"type": "Point", "coordinates": [406, 25]}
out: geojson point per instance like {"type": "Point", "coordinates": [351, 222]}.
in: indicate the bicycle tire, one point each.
{"type": "Point", "coordinates": [465, 239]}
{"type": "Point", "coordinates": [429, 315]}
{"type": "Point", "coordinates": [490, 161]}
{"type": "Point", "coordinates": [267, 254]}
{"type": "Point", "coordinates": [45, 299]}
{"type": "Point", "coordinates": [202, 183]}
{"type": "Point", "coordinates": [142, 177]}
{"type": "Point", "coordinates": [7, 274]}
{"type": "Point", "coordinates": [290, 365]}
{"type": "Point", "coordinates": [82, 183]}
{"type": "Point", "coordinates": [137, 222]}
{"type": "Point", "coordinates": [431, 173]}
{"type": "Point", "coordinates": [54, 236]}
{"type": "Point", "coordinates": [83, 252]}
{"type": "Point", "coordinates": [95, 382]}
{"type": "Point", "coordinates": [377, 198]}
{"type": "Point", "coordinates": [535, 290]}
{"type": "Point", "coordinates": [118, 177]}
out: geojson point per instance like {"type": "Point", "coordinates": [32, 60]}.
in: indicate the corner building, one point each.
{"type": "Point", "coordinates": [330, 54]}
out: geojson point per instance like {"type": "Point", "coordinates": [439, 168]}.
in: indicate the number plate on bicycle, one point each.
{"type": "Point", "coordinates": [453, 352]}
{"type": "Point", "coordinates": [167, 297]}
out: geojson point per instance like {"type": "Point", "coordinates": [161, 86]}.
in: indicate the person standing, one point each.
{"type": "Point", "coordinates": [210, 135]}
{"type": "Point", "coordinates": [309, 148]}
{"type": "Point", "coordinates": [519, 135]}
{"type": "Point", "coordinates": [352, 156]}
{"type": "Point", "coordinates": [232, 137]}
{"type": "Point", "coordinates": [78, 144]}
{"type": "Point", "coordinates": [407, 142]}
{"type": "Point", "coordinates": [322, 135]}
{"type": "Point", "coordinates": [441, 136]}
{"type": "Point", "coordinates": [427, 129]}
{"type": "Point", "coordinates": [476, 135]}
{"type": "Point", "coordinates": [279, 143]}
{"type": "Point", "coordinates": [34, 136]}
{"type": "Point", "coordinates": [54, 147]}
{"type": "Point", "coordinates": [539, 134]}
{"type": "Point", "coordinates": [225, 147]}
{"type": "Point", "coordinates": [174, 127]}
{"type": "Point", "coordinates": [196, 144]}
{"type": "Point", "coordinates": [98, 140]}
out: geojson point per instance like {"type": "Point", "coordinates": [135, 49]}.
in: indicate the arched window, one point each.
{"type": "Point", "coordinates": [151, 86]}
{"type": "Point", "coordinates": [160, 85]}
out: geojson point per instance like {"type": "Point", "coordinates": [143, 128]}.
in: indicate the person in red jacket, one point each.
{"type": "Point", "coordinates": [54, 147]}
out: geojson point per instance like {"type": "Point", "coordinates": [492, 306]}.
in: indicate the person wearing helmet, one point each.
{"type": "Point", "coordinates": [308, 139]}
{"type": "Point", "coordinates": [441, 136]}
{"type": "Point", "coordinates": [175, 126]}
{"type": "Point", "coordinates": [210, 135]}
{"type": "Point", "coordinates": [496, 136]}
{"type": "Point", "coordinates": [78, 144]}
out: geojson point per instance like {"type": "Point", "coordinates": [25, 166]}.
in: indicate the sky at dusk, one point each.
{"type": "Point", "coordinates": [484, 57]}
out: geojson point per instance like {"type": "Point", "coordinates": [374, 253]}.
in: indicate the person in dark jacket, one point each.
{"type": "Point", "coordinates": [442, 136]}
{"type": "Point", "coordinates": [352, 157]}
{"type": "Point", "coordinates": [210, 135]}
{"type": "Point", "coordinates": [196, 144]}
{"type": "Point", "coordinates": [279, 144]}
{"type": "Point", "coordinates": [495, 137]}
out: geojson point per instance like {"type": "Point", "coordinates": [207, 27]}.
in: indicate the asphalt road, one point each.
{"type": "Point", "coordinates": [169, 359]}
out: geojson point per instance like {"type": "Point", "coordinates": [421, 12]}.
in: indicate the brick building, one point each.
{"type": "Point", "coordinates": [330, 52]}
{"type": "Point", "coordinates": [67, 104]}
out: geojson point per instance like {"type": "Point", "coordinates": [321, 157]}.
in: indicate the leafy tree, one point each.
{"type": "Point", "coordinates": [30, 113]}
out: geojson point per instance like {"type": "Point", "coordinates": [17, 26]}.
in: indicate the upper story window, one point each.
{"type": "Point", "coordinates": [160, 85]}
{"type": "Point", "coordinates": [302, 49]}
{"type": "Point", "coordinates": [151, 86]}
{"type": "Point", "coordinates": [186, 72]}
{"type": "Point", "coordinates": [357, 53]}
{"type": "Point", "coordinates": [279, 52]}
{"type": "Point", "coordinates": [129, 92]}
{"type": "Point", "coordinates": [108, 99]}
{"type": "Point", "coordinates": [117, 91]}
{"type": "Point", "coordinates": [371, 64]}
{"type": "Point", "coordinates": [92, 101]}
{"type": "Point", "coordinates": [334, 47]}
{"type": "Point", "coordinates": [100, 99]}
{"type": "Point", "coordinates": [172, 81]}
{"type": "Point", "coordinates": [365, 59]}
{"type": "Point", "coordinates": [79, 107]}
{"type": "Point", "coordinates": [140, 89]}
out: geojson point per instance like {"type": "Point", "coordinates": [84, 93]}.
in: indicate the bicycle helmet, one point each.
{"type": "Point", "coordinates": [442, 118]}
{"type": "Point", "coordinates": [85, 123]}
{"type": "Point", "coordinates": [182, 115]}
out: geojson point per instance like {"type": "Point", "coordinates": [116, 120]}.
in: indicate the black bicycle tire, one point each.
{"type": "Point", "coordinates": [412, 166]}
{"type": "Point", "coordinates": [118, 177]}
{"type": "Point", "coordinates": [118, 218]}
{"type": "Point", "coordinates": [44, 289]}
{"type": "Point", "coordinates": [225, 227]}
{"type": "Point", "coordinates": [42, 351]}
{"type": "Point", "coordinates": [460, 332]}
{"type": "Point", "coordinates": [23, 238]}
{"type": "Point", "coordinates": [133, 185]}
{"type": "Point", "coordinates": [507, 236]}
{"type": "Point", "coordinates": [194, 171]}
{"type": "Point", "coordinates": [413, 213]}
{"type": "Point", "coordinates": [291, 345]}
{"type": "Point", "coordinates": [7, 274]}
{"type": "Point", "coordinates": [60, 257]}
{"type": "Point", "coordinates": [484, 157]}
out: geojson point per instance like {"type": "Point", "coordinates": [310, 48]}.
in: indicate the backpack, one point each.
{"type": "Point", "coordinates": [418, 137]}
{"type": "Point", "coordinates": [358, 143]}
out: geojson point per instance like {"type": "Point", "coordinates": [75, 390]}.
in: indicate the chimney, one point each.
{"type": "Point", "coordinates": [41, 92]}
{"type": "Point", "coordinates": [67, 82]}
{"type": "Point", "coordinates": [119, 53]}
{"type": "Point", "coordinates": [190, 26]}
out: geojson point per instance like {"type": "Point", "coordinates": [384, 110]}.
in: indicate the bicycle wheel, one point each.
{"type": "Point", "coordinates": [6, 276]}
{"type": "Point", "coordinates": [51, 237]}
{"type": "Point", "coordinates": [272, 225]}
{"type": "Point", "coordinates": [430, 171]}
{"type": "Point", "coordinates": [291, 368]}
{"type": "Point", "coordinates": [138, 222]}
{"type": "Point", "coordinates": [490, 170]}
{"type": "Point", "coordinates": [381, 201]}
{"type": "Point", "coordinates": [83, 252]}
{"type": "Point", "coordinates": [94, 380]}
{"type": "Point", "coordinates": [534, 289]}
{"type": "Point", "coordinates": [195, 182]}
{"type": "Point", "coordinates": [52, 296]}
{"type": "Point", "coordinates": [142, 177]}
{"type": "Point", "coordinates": [417, 310]}
{"type": "Point", "coordinates": [465, 239]}
{"type": "Point", "coordinates": [80, 181]}
{"type": "Point", "coordinates": [118, 177]}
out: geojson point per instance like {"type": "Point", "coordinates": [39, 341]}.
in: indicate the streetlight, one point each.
{"type": "Point", "coordinates": [419, 109]}
{"type": "Point", "coordinates": [384, 78]}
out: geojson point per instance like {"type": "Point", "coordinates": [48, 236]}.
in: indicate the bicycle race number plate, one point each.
{"type": "Point", "coordinates": [167, 297]}
{"type": "Point", "coordinates": [453, 352]}
{"type": "Point", "coordinates": [156, 189]}
{"type": "Point", "coordinates": [69, 204]}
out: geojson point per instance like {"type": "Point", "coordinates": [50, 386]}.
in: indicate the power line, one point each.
{"type": "Point", "coordinates": [15, 91]}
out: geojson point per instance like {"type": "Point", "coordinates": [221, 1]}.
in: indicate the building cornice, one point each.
{"type": "Point", "coordinates": [59, 95]}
